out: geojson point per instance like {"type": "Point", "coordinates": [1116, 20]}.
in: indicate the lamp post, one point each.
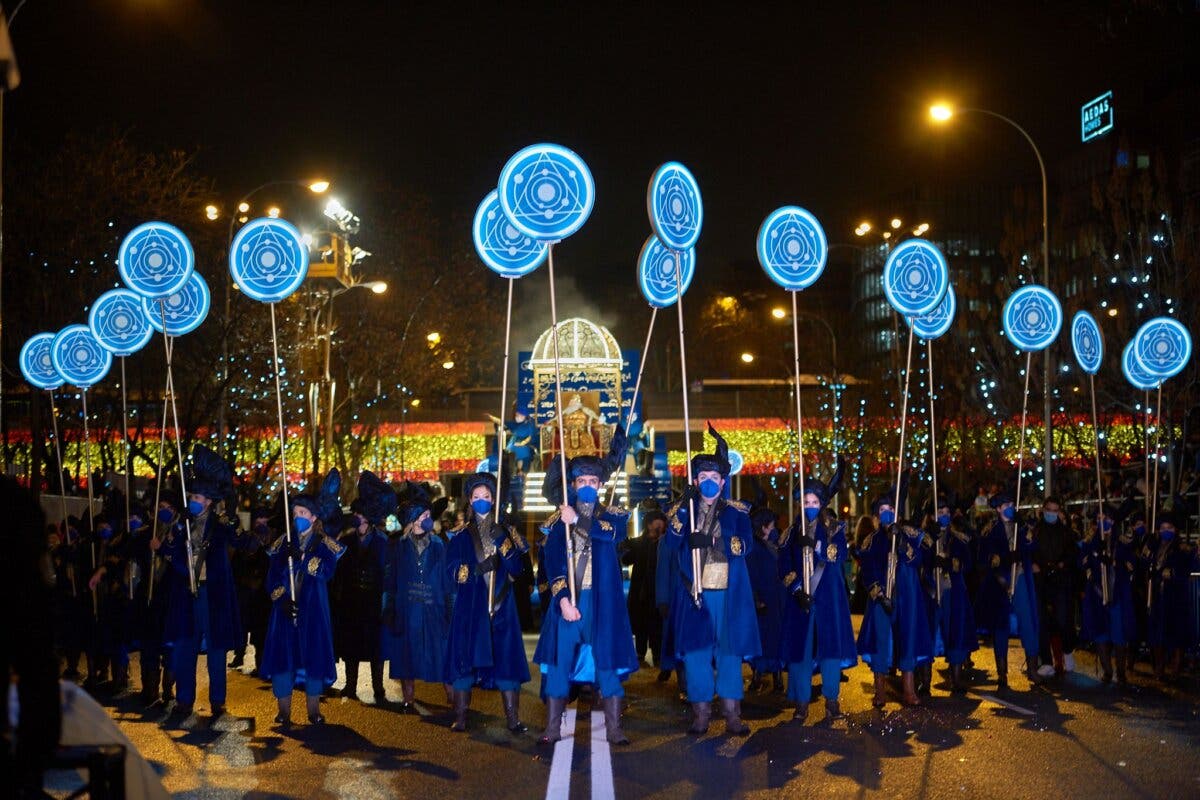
{"type": "Point", "coordinates": [942, 112]}
{"type": "Point", "coordinates": [239, 214]}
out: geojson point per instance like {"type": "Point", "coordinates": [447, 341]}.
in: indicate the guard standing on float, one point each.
{"type": "Point", "coordinates": [586, 638]}
{"type": "Point", "coordinates": [485, 647]}
{"type": "Point", "coordinates": [714, 625]}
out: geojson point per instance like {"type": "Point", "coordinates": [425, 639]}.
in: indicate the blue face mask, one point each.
{"type": "Point", "coordinates": [1166, 534]}
{"type": "Point", "coordinates": [1140, 530]}
{"type": "Point", "coordinates": [944, 520]}
{"type": "Point", "coordinates": [301, 524]}
{"type": "Point", "coordinates": [810, 514]}
{"type": "Point", "coordinates": [195, 507]}
{"type": "Point", "coordinates": [887, 517]}
{"type": "Point", "coordinates": [773, 535]}
{"type": "Point", "coordinates": [165, 515]}
{"type": "Point", "coordinates": [1009, 513]}
{"type": "Point", "coordinates": [427, 524]}
{"type": "Point", "coordinates": [709, 488]}
{"type": "Point", "coordinates": [262, 530]}
{"type": "Point", "coordinates": [481, 506]}
{"type": "Point", "coordinates": [587, 494]}
{"type": "Point", "coordinates": [1050, 517]}
{"type": "Point", "coordinates": [1107, 525]}
{"type": "Point", "coordinates": [134, 524]}
{"type": "Point", "coordinates": [106, 532]}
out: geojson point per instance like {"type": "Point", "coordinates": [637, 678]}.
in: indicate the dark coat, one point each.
{"type": "Point", "coordinates": [488, 650]}
{"type": "Point", "coordinates": [303, 646]}
{"type": "Point", "coordinates": [692, 626]}
{"type": "Point", "coordinates": [356, 597]}
{"type": "Point", "coordinates": [611, 635]}
{"type": "Point", "coordinates": [224, 620]}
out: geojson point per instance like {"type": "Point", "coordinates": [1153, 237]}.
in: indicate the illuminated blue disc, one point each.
{"type": "Point", "coordinates": [673, 201]}
{"type": "Point", "coordinates": [736, 462]}
{"type": "Point", "coordinates": [37, 364]}
{"type": "Point", "coordinates": [268, 259]}
{"type": "Point", "coordinates": [656, 272]}
{"type": "Point", "coordinates": [1032, 318]}
{"type": "Point", "coordinates": [1138, 378]}
{"type": "Point", "coordinates": [78, 356]}
{"type": "Point", "coordinates": [547, 192]}
{"type": "Point", "coordinates": [119, 322]}
{"type": "Point", "coordinates": [792, 248]}
{"type": "Point", "coordinates": [932, 325]}
{"type": "Point", "coordinates": [155, 259]}
{"type": "Point", "coordinates": [1162, 347]}
{"type": "Point", "coordinates": [1087, 342]}
{"type": "Point", "coordinates": [915, 277]}
{"type": "Point", "coordinates": [502, 247]}
{"type": "Point", "coordinates": [183, 311]}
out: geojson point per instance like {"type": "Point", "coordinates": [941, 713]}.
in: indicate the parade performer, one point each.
{"type": "Point", "coordinates": [209, 617]}
{"type": "Point", "coordinates": [817, 632]}
{"type": "Point", "coordinates": [995, 602]}
{"type": "Point", "coordinates": [763, 566]}
{"type": "Point", "coordinates": [356, 594]}
{"type": "Point", "coordinates": [250, 568]}
{"type": "Point", "coordinates": [641, 554]}
{"type": "Point", "coordinates": [586, 638]}
{"type": "Point", "coordinates": [484, 646]}
{"type": "Point", "coordinates": [111, 583]}
{"type": "Point", "coordinates": [299, 647]}
{"type": "Point", "coordinates": [522, 437]}
{"type": "Point", "coordinates": [1171, 623]}
{"type": "Point", "coordinates": [714, 625]}
{"type": "Point", "coordinates": [150, 605]}
{"type": "Point", "coordinates": [418, 597]}
{"type": "Point", "coordinates": [955, 614]}
{"type": "Point", "coordinates": [1054, 560]}
{"type": "Point", "coordinates": [1111, 625]}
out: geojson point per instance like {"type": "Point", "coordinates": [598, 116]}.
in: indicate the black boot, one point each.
{"type": "Point", "coordinates": [1122, 677]}
{"type": "Point", "coordinates": [1104, 656]}
{"type": "Point", "coordinates": [377, 683]}
{"type": "Point", "coordinates": [462, 701]}
{"type": "Point", "coordinates": [701, 712]}
{"type": "Point", "coordinates": [350, 690]}
{"type": "Point", "coordinates": [555, 706]}
{"type": "Point", "coordinates": [732, 711]}
{"type": "Point", "coordinates": [956, 679]}
{"type": "Point", "coordinates": [1002, 675]}
{"type": "Point", "coordinates": [612, 721]}
{"type": "Point", "coordinates": [512, 700]}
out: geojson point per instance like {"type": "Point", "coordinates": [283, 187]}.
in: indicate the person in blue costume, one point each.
{"type": "Point", "coordinates": [955, 613]}
{"type": "Point", "coordinates": [521, 437]}
{"type": "Point", "coordinates": [895, 629]}
{"type": "Point", "coordinates": [713, 622]}
{"type": "Point", "coordinates": [763, 565]}
{"type": "Point", "coordinates": [358, 586]}
{"type": "Point", "coordinates": [999, 548]}
{"type": "Point", "coordinates": [418, 599]}
{"type": "Point", "coordinates": [1170, 624]}
{"type": "Point", "coordinates": [208, 619]}
{"type": "Point", "coordinates": [817, 631]}
{"type": "Point", "coordinates": [299, 647]}
{"type": "Point", "coordinates": [485, 650]}
{"type": "Point", "coordinates": [586, 637]}
{"type": "Point", "coordinates": [1108, 560]}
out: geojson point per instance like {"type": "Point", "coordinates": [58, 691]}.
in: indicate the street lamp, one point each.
{"type": "Point", "coordinates": [747, 358]}
{"type": "Point", "coordinates": [778, 313]}
{"type": "Point", "coordinates": [942, 113]}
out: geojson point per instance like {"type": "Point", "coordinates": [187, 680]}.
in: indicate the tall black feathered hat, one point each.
{"type": "Point", "coordinates": [602, 468]}
{"type": "Point", "coordinates": [208, 474]}
{"type": "Point", "coordinates": [414, 502]}
{"type": "Point", "coordinates": [824, 492]}
{"type": "Point", "coordinates": [325, 505]}
{"type": "Point", "coordinates": [376, 499]}
{"type": "Point", "coordinates": [717, 461]}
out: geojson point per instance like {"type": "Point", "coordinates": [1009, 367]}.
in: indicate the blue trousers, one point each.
{"type": "Point", "coordinates": [699, 664]}
{"type": "Point", "coordinates": [567, 668]}
{"type": "Point", "coordinates": [881, 653]}
{"type": "Point", "coordinates": [187, 653]}
{"type": "Point", "coordinates": [282, 684]}
{"type": "Point", "coordinates": [800, 673]}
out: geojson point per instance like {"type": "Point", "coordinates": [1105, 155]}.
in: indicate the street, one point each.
{"type": "Point", "coordinates": [1077, 739]}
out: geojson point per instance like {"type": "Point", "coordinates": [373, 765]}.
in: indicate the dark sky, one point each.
{"type": "Point", "coordinates": [820, 104]}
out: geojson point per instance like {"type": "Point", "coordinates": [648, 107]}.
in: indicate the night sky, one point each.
{"type": "Point", "coordinates": [820, 104]}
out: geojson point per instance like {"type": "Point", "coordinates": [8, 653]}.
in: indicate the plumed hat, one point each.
{"type": "Point", "coordinates": [376, 499]}
{"type": "Point", "coordinates": [717, 461]}
{"type": "Point", "coordinates": [208, 474]}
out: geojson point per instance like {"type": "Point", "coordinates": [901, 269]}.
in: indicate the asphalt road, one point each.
{"type": "Point", "coordinates": [1072, 739]}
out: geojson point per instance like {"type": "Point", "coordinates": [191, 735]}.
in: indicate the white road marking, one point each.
{"type": "Point", "coordinates": [602, 774]}
{"type": "Point", "coordinates": [1010, 706]}
{"type": "Point", "coordinates": [559, 785]}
